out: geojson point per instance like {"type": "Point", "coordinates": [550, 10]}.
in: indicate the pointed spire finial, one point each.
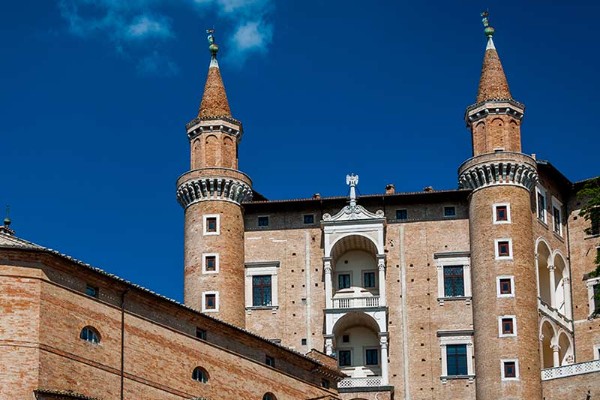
{"type": "Point", "coordinates": [212, 46]}
{"type": "Point", "coordinates": [352, 181]}
{"type": "Point", "coordinates": [489, 30]}
{"type": "Point", "coordinates": [6, 227]}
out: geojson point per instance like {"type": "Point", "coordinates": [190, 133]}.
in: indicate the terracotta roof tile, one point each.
{"type": "Point", "coordinates": [214, 101]}
{"type": "Point", "coordinates": [493, 84]}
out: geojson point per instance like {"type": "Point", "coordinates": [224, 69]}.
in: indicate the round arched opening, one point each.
{"type": "Point", "coordinates": [544, 288]}
{"type": "Point", "coordinates": [200, 375]}
{"type": "Point", "coordinates": [90, 334]}
{"type": "Point", "coordinates": [547, 340]}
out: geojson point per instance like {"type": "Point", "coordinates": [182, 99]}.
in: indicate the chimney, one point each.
{"type": "Point", "coordinates": [390, 188]}
{"type": "Point", "coordinates": [316, 196]}
{"type": "Point", "coordinates": [428, 189]}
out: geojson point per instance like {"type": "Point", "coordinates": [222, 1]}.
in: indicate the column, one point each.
{"type": "Point", "coordinates": [329, 345]}
{"type": "Point", "coordinates": [552, 286]}
{"type": "Point", "coordinates": [567, 290]}
{"type": "Point", "coordinates": [383, 342]}
{"type": "Point", "coordinates": [381, 267]}
{"type": "Point", "coordinates": [555, 356]}
{"type": "Point", "coordinates": [328, 282]}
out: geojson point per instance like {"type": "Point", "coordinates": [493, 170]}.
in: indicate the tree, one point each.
{"type": "Point", "coordinates": [589, 196]}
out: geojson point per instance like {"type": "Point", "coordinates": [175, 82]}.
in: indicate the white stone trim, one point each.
{"type": "Point", "coordinates": [539, 190]}
{"type": "Point", "coordinates": [510, 249]}
{"type": "Point", "coordinates": [442, 262]}
{"type": "Point", "coordinates": [459, 338]}
{"type": "Point", "coordinates": [514, 321]}
{"type": "Point", "coordinates": [517, 374]}
{"type": "Point", "coordinates": [559, 206]}
{"type": "Point", "coordinates": [494, 214]}
{"type": "Point", "coordinates": [590, 283]}
{"type": "Point", "coordinates": [263, 268]}
{"type": "Point", "coordinates": [204, 256]}
{"type": "Point", "coordinates": [512, 285]}
{"type": "Point", "coordinates": [216, 309]}
{"type": "Point", "coordinates": [205, 224]}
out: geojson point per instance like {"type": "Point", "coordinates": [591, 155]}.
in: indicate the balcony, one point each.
{"type": "Point", "coordinates": [355, 302]}
{"type": "Point", "coordinates": [371, 381]}
{"type": "Point", "coordinates": [569, 370]}
{"type": "Point", "coordinates": [555, 315]}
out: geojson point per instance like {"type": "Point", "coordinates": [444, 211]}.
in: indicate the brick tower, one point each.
{"type": "Point", "coordinates": [505, 315]}
{"type": "Point", "coordinates": [211, 194]}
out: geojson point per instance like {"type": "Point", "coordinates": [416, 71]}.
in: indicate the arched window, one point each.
{"type": "Point", "coordinates": [269, 396]}
{"type": "Point", "coordinates": [200, 375]}
{"type": "Point", "coordinates": [90, 334]}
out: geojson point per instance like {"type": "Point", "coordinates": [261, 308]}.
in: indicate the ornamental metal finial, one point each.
{"type": "Point", "coordinates": [489, 30]}
{"type": "Point", "coordinates": [7, 220]}
{"type": "Point", "coordinates": [212, 46]}
{"type": "Point", "coordinates": [352, 181]}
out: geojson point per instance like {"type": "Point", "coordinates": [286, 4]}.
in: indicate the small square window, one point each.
{"type": "Point", "coordinates": [343, 281]}
{"type": "Point", "coordinates": [510, 369]}
{"type": "Point", "coordinates": [270, 361]}
{"type": "Point", "coordinates": [501, 213]}
{"type": "Point", "coordinates": [345, 338]}
{"type": "Point", "coordinates": [369, 279]}
{"type": "Point", "coordinates": [325, 383]}
{"type": "Point", "coordinates": [210, 301]}
{"type": "Point", "coordinates": [401, 215]}
{"type": "Point", "coordinates": [201, 333]}
{"type": "Point", "coordinates": [503, 248]}
{"type": "Point", "coordinates": [505, 286]}
{"type": "Point", "coordinates": [211, 263]}
{"type": "Point", "coordinates": [263, 221]}
{"type": "Point", "coordinates": [92, 291]}
{"type": "Point", "coordinates": [449, 211]}
{"type": "Point", "coordinates": [303, 342]}
{"type": "Point", "coordinates": [309, 219]}
{"type": "Point", "coordinates": [211, 224]}
{"type": "Point", "coordinates": [557, 221]}
{"type": "Point", "coordinates": [344, 358]}
{"type": "Point", "coordinates": [372, 357]}
{"type": "Point", "coordinates": [507, 326]}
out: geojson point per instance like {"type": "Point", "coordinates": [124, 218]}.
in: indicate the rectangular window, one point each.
{"type": "Point", "coordinates": [401, 215]}
{"type": "Point", "coordinates": [343, 281]}
{"type": "Point", "coordinates": [454, 283]}
{"type": "Point", "coordinates": [303, 342]}
{"type": "Point", "coordinates": [507, 326]}
{"type": "Point", "coordinates": [92, 291]}
{"type": "Point", "coordinates": [211, 263]}
{"type": "Point", "coordinates": [201, 333]}
{"type": "Point", "coordinates": [372, 357]}
{"type": "Point", "coordinates": [557, 221]}
{"type": "Point", "coordinates": [345, 338]}
{"type": "Point", "coordinates": [270, 361]}
{"type": "Point", "coordinates": [449, 211]}
{"type": "Point", "coordinates": [309, 219]}
{"type": "Point", "coordinates": [210, 301]}
{"type": "Point", "coordinates": [503, 248]}
{"type": "Point", "coordinates": [541, 206]}
{"type": "Point", "coordinates": [456, 359]}
{"type": "Point", "coordinates": [505, 286]}
{"type": "Point", "coordinates": [509, 369]}
{"type": "Point", "coordinates": [261, 290]}
{"type": "Point", "coordinates": [263, 221]}
{"type": "Point", "coordinates": [211, 224]}
{"type": "Point", "coordinates": [369, 279]}
{"type": "Point", "coordinates": [344, 358]}
{"type": "Point", "coordinates": [597, 299]}
{"type": "Point", "coordinates": [501, 213]}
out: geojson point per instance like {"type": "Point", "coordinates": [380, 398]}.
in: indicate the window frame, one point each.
{"type": "Point", "coordinates": [501, 319]}
{"type": "Point", "coordinates": [400, 210]}
{"type": "Point", "coordinates": [260, 218]}
{"type": "Point", "coordinates": [377, 355]}
{"type": "Point", "coordinates": [345, 350]}
{"type": "Point", "coordinates": [456, 338]}
{"type": "Point", "coordinates": [495, 213]}
{"type": "Point", "coordinates": [205, 223]}
{"type": "Point", "coordinates": [201, 333]}
{"type": "Point", "coordinates": [337, 279]}
{"type": "Point", "coordinates": [204, 302]}
{"type": "Point", "coordinates": [270, 361]}
{"type": "Point", "coordinates": [203, 377]}
{"type": "Point", "coordinates": [304, 219]}
{"type": "Point", "coordinates": [499, 286]}
{"type": "Point", "coordinates": [454, 277]}
{"type": "Point", "coordinates": [500, 257]}
{"type": "Point", "coordinates": [89, 288]}
{"type": "Point", "coordinates": [95, 337]}
{"type": "Point", "coordinates": [445, 208]}
{"type": "Point", "coordinates": [261, 268]}
{"type": "Point", "coordinates": [205, 256]}
{"type": "Point", "coordinates": [557, 206]}
{"type": "Point", "coordinates": [375, 280]}
{"type": "Point", "coordinates": [542, 215]}
{"type": "Point", "coordinates": [503, 370]}
{"type": "Point", "coordinates": [594, 309]}
{"type": "Point", "coordinates": [263, 296]}
{"type": "Point", "coordinates": [452, 259]}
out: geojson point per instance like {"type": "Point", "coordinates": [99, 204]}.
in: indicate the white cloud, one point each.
{"type": "Point", "coordinates": [146, 26]}
{"type": "Point", "coordinates": [252, 36]}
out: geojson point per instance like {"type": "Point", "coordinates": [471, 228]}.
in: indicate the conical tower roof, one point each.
{"type": "Point", "coordinates": [492, 84]}
{"type": "Point", "coordinates": [214, 101]}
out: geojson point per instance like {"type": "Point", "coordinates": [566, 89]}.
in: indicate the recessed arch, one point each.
{"type": "Point", "coordinates": [353, 241]}
{"type": "Point", "coordinates": [543, 257]}
{"type": "Point", "coordinates": [547, 341]}
{"type": "Point", "coordinates": [200, 375]}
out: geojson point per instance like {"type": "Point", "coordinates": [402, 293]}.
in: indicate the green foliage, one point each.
{"type": "Point", "coordinates": [589, 195]}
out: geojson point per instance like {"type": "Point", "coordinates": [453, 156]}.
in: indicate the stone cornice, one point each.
{"type": "Point", "coordinates": [501, 168]}
{"type": "Point", "coordinates": [481, 110]}
{"type": "Point", "coordinates": [227, 125]}
{"type": "Point", "coordinates": [213, 188]}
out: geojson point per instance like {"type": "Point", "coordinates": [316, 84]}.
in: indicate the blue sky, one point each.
{"type": "Point", "coordinates": [96, 93]}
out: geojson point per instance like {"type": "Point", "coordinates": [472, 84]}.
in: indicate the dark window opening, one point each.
{"type": "Point", "coordinates": [90, 334]}
{"type": "Point", "coordinates": [503, 249]}
{"type": "Point", "coordinates": [309, 219]}
{"type": "Point", "coordinates": [210, 301]}
{"type": "Point", "coordinates": [449, 211]}
{"type": "Point", "coordinates": [270, 361]}
{"type": "Point", "coordinates": [557, 220]}
{"type": "Point", "coordinates": [369, 279]}
{"type": "Point", "coordinates": [344, 358]}
{"type": "Point", "coordinates": [541, 207]}
{"type": "Point", "coordinates": [325, 383]}
{"type": "Point", "coordinates": [92, 291]}
{"type": "Point", "coordinates": [510, 369]}
{"type": "Point", "coordinates": [201, 333]}
{"type": "Point", "coordinates": [263, 221]}
{"type": "Point", "coordinates": [501, 213]}
{"type": "Point", "coordinates": [261, 290]}
{"type": "Point", "coordinates": [345, 338]}
{"type": "Point", "coordinates": [211, 224]}
{"type": "Point", "coordinates": [505, 286]}
{"type": "Point", "coordinates": [507, 326]}
{"type": "Point", "coordinates": [343, 281]}
{"type": "Point", "coordinates": [211, 263]}
{"type": "Point", "coordinates": [454, 282]}
{"type": "Point", "coordinates": [303, 342]}
{"type": "Point", "coordinates": [372, 357]}
{"type": "Point", "coordinates": [402, 214]}
{"type": "Point", "coordinates": [200, 375]}
{"type": "Point", "coordinates": [456, 359]}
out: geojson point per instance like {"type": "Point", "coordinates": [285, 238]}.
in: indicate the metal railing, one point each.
{"type": "Point", "coordinates": [356, 302]}
{"type": "Point", "coordinates": [570, 370]}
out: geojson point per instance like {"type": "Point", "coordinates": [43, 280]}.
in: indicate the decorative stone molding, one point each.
{"type": "Point", "coordinates": [213, 188]}
{"type": "Point", "coordinates": [501, 168]}
{"type": "Point", "coordinates": [481, 110]}
{"type": "Point", "coordinates": [351, 213]}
